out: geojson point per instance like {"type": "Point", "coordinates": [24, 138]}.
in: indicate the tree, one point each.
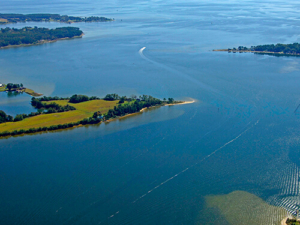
{"type": "Point", "coordinates": [122, 99]}
{"type": "Point", "coordinates": [97, 114]}
{"type": "Point", "coordinates": [78, 98]}
{"type": "Point", "coordinates": [18, 118]}
{"type": "Point", "coordinates": [170, 100]}
{"type": "Point", "coordinates": [9, 86]}
{"type": "Point", "coordinates": [3, 116]}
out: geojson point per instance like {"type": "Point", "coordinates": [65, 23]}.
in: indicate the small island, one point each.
{"type": "Point", "coordinates": [55, 113]}
{"type": "Point", "coordinates": [18, 88]}
{"type": "Point", "coordinates": [12, 37]}
{"type": "Point", "coordinates": [278, 49]}
{"type": "Point", "coordinates": [6, 18]}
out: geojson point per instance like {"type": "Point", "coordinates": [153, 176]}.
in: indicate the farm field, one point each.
{"type": "Point", "coordinates": [83, 110]}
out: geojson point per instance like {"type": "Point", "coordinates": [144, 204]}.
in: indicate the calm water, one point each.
{"type": "Point", "coordinates": [157, 167]}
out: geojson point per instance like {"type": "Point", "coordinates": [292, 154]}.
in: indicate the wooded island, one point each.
{"type": "Point", "coordinates": [287, 49]}
{"type": "Point", "coordinates": [11, 37]}
{"type": "Point", "coordinates": [6, 18]}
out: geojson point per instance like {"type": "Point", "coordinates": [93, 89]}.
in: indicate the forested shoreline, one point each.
{"type": "Point", "coordinates": [35, 35]}
{"type": "Point", "coordinates": [6, 18]}
{"type": "Point", "coordinates": [288, 49]}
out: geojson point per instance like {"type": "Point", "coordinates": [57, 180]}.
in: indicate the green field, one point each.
{"type": "Point", "coordinates": [3, 87]}
{"type": "Point", "coordinates": [83, 110]}
{"type": "Point", "coordinates": [293, 222]}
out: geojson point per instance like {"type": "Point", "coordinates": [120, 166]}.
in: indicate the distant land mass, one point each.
{"type": "Point", "coordinates": [284, 49]}
{"type": "Point", "coordinates": [12, 37]}
{"type": "Point", "coordinates": [6, 18]}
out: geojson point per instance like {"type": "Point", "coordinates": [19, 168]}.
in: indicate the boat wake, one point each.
{"type": "Point", "coordinates": [248, 127]}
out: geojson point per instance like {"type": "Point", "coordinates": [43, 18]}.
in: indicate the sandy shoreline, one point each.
{"type": "Point", "coordinates": [283, 222]}
{"type": "Point", "coordinates": [182, 103]}
{"type": "Point", "coordinates": [143, 109]}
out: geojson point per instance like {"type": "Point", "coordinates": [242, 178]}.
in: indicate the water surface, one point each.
{"type": "Point", "coordinates": [158, 167]}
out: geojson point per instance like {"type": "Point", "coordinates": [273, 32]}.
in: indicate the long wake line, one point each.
{"type": "Point", "coordinates": [214, 152]}
{"type": "Point", "coordinates": [183, 171]}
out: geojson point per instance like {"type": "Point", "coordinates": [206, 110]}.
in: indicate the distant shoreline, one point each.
{"type": "Point", "coordinates": [8, 18]}
{"type": "Point", "coordinates": [258, 52]}
{"type": "Point", "coordinates": [41, 42]}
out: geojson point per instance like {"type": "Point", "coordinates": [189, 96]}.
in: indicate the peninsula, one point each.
{"type": "Point", "coordinates": [12, 37]}
{"type": "Point", "coordinates": [19, 88]}
{"type": "Point", "coordinates": [55, 113]}
{"type": "Point", "coordinates": [6, 18]}
{"type": "Point", "coordinates": [278, 49]}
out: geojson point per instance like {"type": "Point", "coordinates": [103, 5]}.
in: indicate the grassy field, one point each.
{"type": "Point", "coordinates": [83, 110]}
{"type": "Point", "coordinates": [32, 93]}
{"type": "Point", "coordinates": [3, 88]}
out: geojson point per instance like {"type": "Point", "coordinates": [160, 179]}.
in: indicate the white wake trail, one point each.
{"type": "Point", "coordinates": [214, 152]}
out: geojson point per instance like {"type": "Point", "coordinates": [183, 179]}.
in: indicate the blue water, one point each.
{"type": "Point", "coordinates": [157, 167]}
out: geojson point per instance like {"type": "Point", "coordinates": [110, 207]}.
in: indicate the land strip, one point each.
{"type": "Point", "coordinates": [6, 18]}
{"type": "Point", "coordinates": [57, 113]}
{"type": "Point", "coordinates": [83, 110]}
{"type": "Point", "coordinates": [27, 36]}
{"type": "Point", "coordinates": [20, 90]}
{"type": "Point", "coordinates": [278, 49]}
{"type": "Point", "coordinates": [258, 52]}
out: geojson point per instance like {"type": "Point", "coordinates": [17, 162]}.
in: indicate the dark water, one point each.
{"type": "Point", "coordinates": [14, 103]}
{"type": "Point", "coordinates": [156, 168]}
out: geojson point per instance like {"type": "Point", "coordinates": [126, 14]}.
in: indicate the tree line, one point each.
{"type": "Point", "coordinates": [81, 98]}
{"type": "Point", "coordinates": [136, 106]}
{"type": "Point", "coordinates": [8, 118]}
{"type": "Point", "coordinates": [285, 48]}
{"type": "Point", "coordinates": [29, 35]}
{"type": "Point", "coordinates": [51, 107]}
{"type": "Point", "coordinates": [15, 18]}
{"type": "Point", "coordinates": [11, 86]}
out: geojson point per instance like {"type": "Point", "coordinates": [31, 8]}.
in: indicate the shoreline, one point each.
{"type": "Point", "coordinates": [283, 222]}
{"type": "Point", "coordinates": [41, 42]}
{"type": "Point", "coordinates": [143, 109]}
{"type": "Point", "coordinates": [58, 21]}
{"type": "Point", "coordinates": [258, 52]}
{"type": "Point", "coordinates": [26, 90]}
{"type": "Point", "coordinates": [107, 121]}
{"type": "Point", "coordinates": [182, 103]}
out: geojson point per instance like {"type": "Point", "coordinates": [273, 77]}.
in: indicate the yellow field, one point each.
{"type": "Point", "coordinates": [83, 110]}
